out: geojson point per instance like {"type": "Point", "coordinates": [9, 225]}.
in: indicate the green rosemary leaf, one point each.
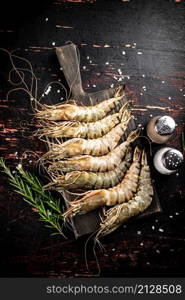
{"type": "Point", "coordinates": [52, 205]}
{"type": "Point", "coordinates": [30, 187]}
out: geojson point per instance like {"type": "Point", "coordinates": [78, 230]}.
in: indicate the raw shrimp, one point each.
{"type": "Point", "coordinates": [122, 192]}
{"type": "Point", "coordinates": [73, 112]}
{"type": "Point", "coordinates": [104, 163]}
{"type": "Point", "coordinates": [90, 180]}
{"type": "Point", "coordinates": [95, 147]}
{"type": "Point", "coordinates": [82, 130]}
{"type": "Point", "coordinates": [119, 214]}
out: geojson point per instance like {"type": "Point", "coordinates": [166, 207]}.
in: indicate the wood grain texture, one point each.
{"type": "Point", "coordinates": [138, 43]}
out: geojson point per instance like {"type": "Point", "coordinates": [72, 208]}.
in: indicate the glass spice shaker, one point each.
{"type": "Point", "coordinates": [160, 129]}
{"type": "Point", "coordinates": [168, 160]}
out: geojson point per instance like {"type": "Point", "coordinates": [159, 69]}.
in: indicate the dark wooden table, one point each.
{"type": "Point", "coordinates": [139, 43]}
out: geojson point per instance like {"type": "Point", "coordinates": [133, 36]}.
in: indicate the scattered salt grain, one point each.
{"type": "Point", "coordinates": [107, 63]}
{"type": "Point", "coordinates": [158, 251]}
{"type": "Point", "coordinates": [53, 43]}
{"type": "Point", "coordinates": [119, 71]}
{"type": "Point", "coordinates": [163, 81]}
{"type": "Point", "coordinates": [90, 61]}
{"type": "Point", "coordinates": [128, 77]}
{"type": "Point", "coordinates": [171, 217]}
{"type": "Point", "coordinates": [112, 85]}
{"type": "Point", "coordinates": [58, 91]}
{"type": "Point", "coordinates": [84, 67]}
{"type": "Point", "coordinates": [88, 57]}
{"type": "Point", "coordinates": [169, 98]}
{"type": "Point", "coordinates": [161, 230]}
{"type": "Point", "coordinates": [94, 85]}
{"type": "Point", "coordinates": [19, 166]}
{"type": "Point", "coordinates": [181, 90]}
{"type": "Point", "coordinates": [141, 244]}
{"type": "Point", "coordinates": [139, 232]}
{"type": "Point", "coordinates": [153, 227]}
{"type": "Point", "coordinates": [48, 90]}
{"type": "Point", "coordinates": [46, 19]}
{"type": "Point", "coordinates": [177, 214]}
{"type": "Point", "coordinates": [139, 52]}
{"type": "Point", "coordinates": [123, 52]}
{"type": "Point", "coordinates": [151, 115]}
{"type": "Point", "coordinates": [143, 75]}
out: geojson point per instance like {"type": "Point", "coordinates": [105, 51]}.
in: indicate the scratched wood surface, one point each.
{"type": "Point", "coordinates": [138, 43]}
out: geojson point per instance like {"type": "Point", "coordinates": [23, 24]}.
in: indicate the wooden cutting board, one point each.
{"type": "Point", "coordinates": [68, 59]}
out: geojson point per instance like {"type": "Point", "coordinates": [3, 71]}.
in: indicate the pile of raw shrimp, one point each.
{"type": "Point", "coordinates": [87, 154]}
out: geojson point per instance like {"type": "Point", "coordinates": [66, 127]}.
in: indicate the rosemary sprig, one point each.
{"type": "Point", "coordinates": [30, 187]}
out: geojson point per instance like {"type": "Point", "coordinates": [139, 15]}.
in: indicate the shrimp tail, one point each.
{"type": "Point", "coordinates": [124, 113]}
{"type": "Point", "coordinates": [137, 154]}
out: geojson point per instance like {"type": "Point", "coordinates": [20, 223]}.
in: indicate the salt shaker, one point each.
{"type": "Point", "coordinates": [160, 129]}
{"type": "Point", "coordinates": [168, 160]}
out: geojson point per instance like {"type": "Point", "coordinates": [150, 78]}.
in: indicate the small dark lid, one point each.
{"type": "Point", "coordinates": [173, 159]}
{"type": "Point", "coordinates": [165, 125]}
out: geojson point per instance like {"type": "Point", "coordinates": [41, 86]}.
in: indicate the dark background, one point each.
{"type": "Point", "coordinates": [145, 40]}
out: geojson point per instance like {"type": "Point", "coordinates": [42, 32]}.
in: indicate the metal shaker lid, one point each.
{"type": "Point", "coordinates": [165, 125]}
{"type": "Point", "coordinates": [173, 159]}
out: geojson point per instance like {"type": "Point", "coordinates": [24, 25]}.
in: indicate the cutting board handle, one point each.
{"type": "Point", "coordinates": [68, 59]}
